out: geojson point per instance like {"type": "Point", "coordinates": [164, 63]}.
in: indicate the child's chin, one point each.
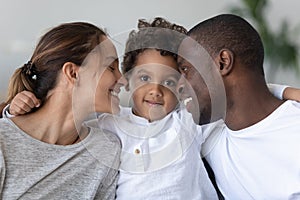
{"type": "Point", "coordinates": [155, 115]}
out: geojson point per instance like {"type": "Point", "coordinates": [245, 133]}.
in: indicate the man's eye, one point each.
{"type": "Point", "coordinates": [183, 69]}
{"type": "Point", "coordinates": [145, 78]}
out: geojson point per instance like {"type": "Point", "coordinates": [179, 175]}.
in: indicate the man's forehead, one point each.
{"type": "Point", "coordinates": [190, 49]}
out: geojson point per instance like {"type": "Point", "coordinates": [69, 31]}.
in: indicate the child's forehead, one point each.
{"type": "Point", "coordinates": [157, 70]}
{"type": "Point", "coordinates": [154, 56]}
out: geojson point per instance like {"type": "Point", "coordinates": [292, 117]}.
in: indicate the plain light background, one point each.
{"type": "Point", "coordinates": [23, 22]}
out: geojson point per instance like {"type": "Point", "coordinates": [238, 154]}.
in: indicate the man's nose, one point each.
{"type": "Point", "coordinates": [180, 89]}
{"type": "Point", "coordinates": [181, 85]}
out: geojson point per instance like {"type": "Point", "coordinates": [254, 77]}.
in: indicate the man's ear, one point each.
{"type": "Point", "coordinates": [225, 61]}
{"type": "Point", "coordinates": [70, 72]}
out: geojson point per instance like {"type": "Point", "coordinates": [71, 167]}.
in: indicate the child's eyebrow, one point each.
{"type": "Point", "coordinates": [175, 76]}
{"type": "Point", "coordinates": [172, 75]}
{"type": "Point", "coordinates": [139, 71]}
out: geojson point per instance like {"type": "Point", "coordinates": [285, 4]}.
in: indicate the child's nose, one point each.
{"type": "Point", "coordinates": [155, 90]}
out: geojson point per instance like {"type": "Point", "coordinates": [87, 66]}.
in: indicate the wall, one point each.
{"type": "Point", "coordinates": [23, 22]}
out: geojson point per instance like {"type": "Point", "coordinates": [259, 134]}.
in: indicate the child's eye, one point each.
{"type": "Point", "coordinates": [169, 83]}
{"type": "Point", "coordinates": [145, 78]}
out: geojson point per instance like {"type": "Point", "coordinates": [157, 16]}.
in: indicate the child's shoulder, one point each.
{"type": "Point", "coordinates": [125, 110]}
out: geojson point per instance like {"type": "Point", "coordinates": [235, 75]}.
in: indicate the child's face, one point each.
{"type": "Point", "coordinates": [153, 84]}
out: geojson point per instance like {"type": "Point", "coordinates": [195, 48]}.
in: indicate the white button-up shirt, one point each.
{"type": "Point", "coordinates": [160, 159]}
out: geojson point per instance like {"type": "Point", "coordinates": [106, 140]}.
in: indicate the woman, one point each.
{"type": "Point", "coordinates": [2, 106]}
{"type": "Point", "coordinates": [48, 153]}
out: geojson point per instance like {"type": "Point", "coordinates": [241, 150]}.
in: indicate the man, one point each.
{"type": "Point", "coordinates": [255, 153]}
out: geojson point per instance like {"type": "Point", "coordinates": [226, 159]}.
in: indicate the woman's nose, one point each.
{"type": "Point", "coordinates": [122, 81]}
{"type": "Point", "coordinates": [118, 74]}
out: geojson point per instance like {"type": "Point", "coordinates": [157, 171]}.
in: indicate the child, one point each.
{"type": "Point", "coordinates": [160, 156]}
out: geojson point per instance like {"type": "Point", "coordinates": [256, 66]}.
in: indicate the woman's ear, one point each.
{"type": "Point", "coordinates": [70, 72]}
{"type": "Point", "coordinates": [225, 61]}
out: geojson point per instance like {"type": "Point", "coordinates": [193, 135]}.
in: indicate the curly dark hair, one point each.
{"type": "Point", "coordinates": [160, 34]}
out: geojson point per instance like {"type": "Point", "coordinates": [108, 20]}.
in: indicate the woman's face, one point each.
{"type": "Point", "coordinates": [108, 88]}
{"type": "Point", "coordinates": [100, 80]}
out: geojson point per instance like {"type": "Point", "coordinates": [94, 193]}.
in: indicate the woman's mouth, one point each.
{"type": "Point", "coordinates": [114, 94]}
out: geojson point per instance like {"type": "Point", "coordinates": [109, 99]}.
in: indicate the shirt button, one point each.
{"type": "Point", "coordinates": [137, 151]}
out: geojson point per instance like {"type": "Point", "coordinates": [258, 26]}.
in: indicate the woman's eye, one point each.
{"type": "Point", "coordinates": [111, 68]}
{"type": "Point", "coordinates": [145, 78]}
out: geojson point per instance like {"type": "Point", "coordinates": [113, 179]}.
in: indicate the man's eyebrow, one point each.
{"type": "Point", "coordinates": [180, 61]}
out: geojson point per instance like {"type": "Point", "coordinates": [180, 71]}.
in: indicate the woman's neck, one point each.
{"type": "Point", "coordinates": [52, 123]}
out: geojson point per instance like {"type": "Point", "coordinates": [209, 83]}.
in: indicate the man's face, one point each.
{"type": "Point", "coordinates": [203, 82]}
{"type": "Point", "coordinates": [196, 91]}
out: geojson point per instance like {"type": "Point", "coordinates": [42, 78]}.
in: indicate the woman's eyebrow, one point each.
{"type": "Point", "coordinates": [111, 59]}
